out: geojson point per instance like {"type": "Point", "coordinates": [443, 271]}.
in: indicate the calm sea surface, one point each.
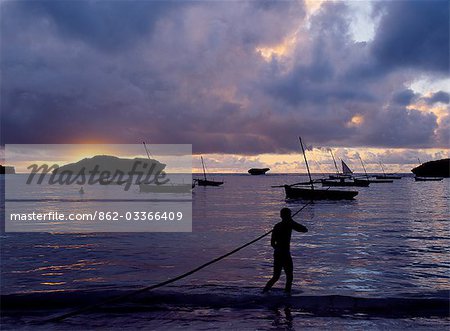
{"type": "Point", "coordinates": [391, 242]}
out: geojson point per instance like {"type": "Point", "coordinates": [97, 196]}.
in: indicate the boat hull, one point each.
{"type": "Point", "coordinates": [339, 176]}
{"type": "Point", "coordinates": [205, 182]}
{"type": "Point", "coordinates": [340, 183]}
{"type": "Point", "coordinates": [376, 181]}
{"type": "Point", "coordinates": [178, 188]}
{"type": "Point", "coordinates": [257, 171]}
{"type": "Point", "coordinates": [317, 194]}
{"type": "Point", "coordinates": [388, 177]}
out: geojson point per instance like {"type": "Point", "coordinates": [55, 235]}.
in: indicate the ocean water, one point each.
{"type": "Point", "coordinates": [380, 261]}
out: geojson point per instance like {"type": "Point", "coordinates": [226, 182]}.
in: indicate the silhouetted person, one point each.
{"type": "Point", "coordinates": [281, 242]}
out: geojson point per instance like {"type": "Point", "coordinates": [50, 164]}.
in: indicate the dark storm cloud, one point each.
{"type": "Point", "coordinates": [398, 126]}
{"type": "Point", "coordinates": [109, 25]}
{"type": "Point", "coordinates": [440, 96]}
{"type": "Point", "coordinates": [166, 72]}
{"type": "Point", "coordinates": [413, 34]}
{"type": "Point", "coordinates": [404, 97]}
{"type": "Point", "coordinates": [443, 132]}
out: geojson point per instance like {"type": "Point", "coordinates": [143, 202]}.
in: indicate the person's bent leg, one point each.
{"type": "Point", "coordinates": [277, 267]}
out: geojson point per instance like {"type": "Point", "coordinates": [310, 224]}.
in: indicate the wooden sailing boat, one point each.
{"type": "Point", "coordinates": [295, 192]}
{"type": "Point", "coordinates": [346, 172]}
{"type": "Point", "coordinates": [171, 188]}
{"type": "Point", "coordinates": [344, 179]}
{"type": "Point", "coordinates": [205, 181]}
{"type": "Point", "coordinates": [368, 179]}
{"type": "Point", "coordinates": [387, 176]}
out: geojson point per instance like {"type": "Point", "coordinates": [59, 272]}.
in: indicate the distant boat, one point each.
{"type": "Point", "coordinates": [258, 171]}
{"type": "Point", "coordinates": [368, 179]}
{"type": "Point", "coordinates": [374, 180]}
{"type": "Point", "coordinates": [171, 188]}
{"type": "Point", "coordinates": [205, 181]}
{"type": "Point", "coordinates": [346, 172]}
{"type": "Point", "coordinates": [387, 176]}
{"type": "Point", "coordinates": [342, 182]}
{"type": "Point", "coordinates": [293, 192]}
{"type": "Point", "coordinates": [428, 179]}
{"type": "Point", "coordinates": [344, 179]}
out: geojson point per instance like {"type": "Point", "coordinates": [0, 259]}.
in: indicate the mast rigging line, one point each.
{"type": "Point", "coordinates": [204, 168]}
{"type": "Point", "coordinates": [146, 150]}
{"type": "Point", "coordinates": [306, 161]}
{"type": "Point", "coordinates": [80, 310]}
{"type": "Point", "coordinates": [334, 161]}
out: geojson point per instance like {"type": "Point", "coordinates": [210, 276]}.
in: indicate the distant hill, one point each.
{"type": "Point", "coordinates": [111, 164]}
{"type": "Point", "coordinates": [7, 170]}
{"type": "Point", "coordinates": [439, 168]}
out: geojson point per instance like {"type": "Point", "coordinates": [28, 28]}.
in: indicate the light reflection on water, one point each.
{"type": "Point", "coordinates": [393, 239]}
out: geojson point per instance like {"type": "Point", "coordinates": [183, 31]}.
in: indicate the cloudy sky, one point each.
{"type": "Point", "coordinates": [239, 80]}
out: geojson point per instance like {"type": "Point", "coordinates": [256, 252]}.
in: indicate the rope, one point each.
{"type": "Point", "coordinates": [169, 281]}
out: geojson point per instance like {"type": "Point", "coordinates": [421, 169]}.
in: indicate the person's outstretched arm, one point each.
{"type": "Point", "coordinates": [298, 227]}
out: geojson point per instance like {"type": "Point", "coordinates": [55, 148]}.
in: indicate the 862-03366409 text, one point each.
{"type": "Point", "coordinates": [100, 216]}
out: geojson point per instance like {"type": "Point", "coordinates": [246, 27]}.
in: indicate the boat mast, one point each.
{"type": "Point", "coordinates": [334, 160]}
{"type": "Point", "coordinates": [146, 150]}
{"type": "Point", "coordinates": [203, 165]}
{"type": "Point", "coordinates": [382, 168]}
{"type": "Point", "coordinates": [306, 161]}
{"type": "Point", "coordinates": [362, 163]}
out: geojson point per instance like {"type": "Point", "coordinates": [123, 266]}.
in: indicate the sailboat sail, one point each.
{"type": "Point", "coordinates": [345, 169]}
